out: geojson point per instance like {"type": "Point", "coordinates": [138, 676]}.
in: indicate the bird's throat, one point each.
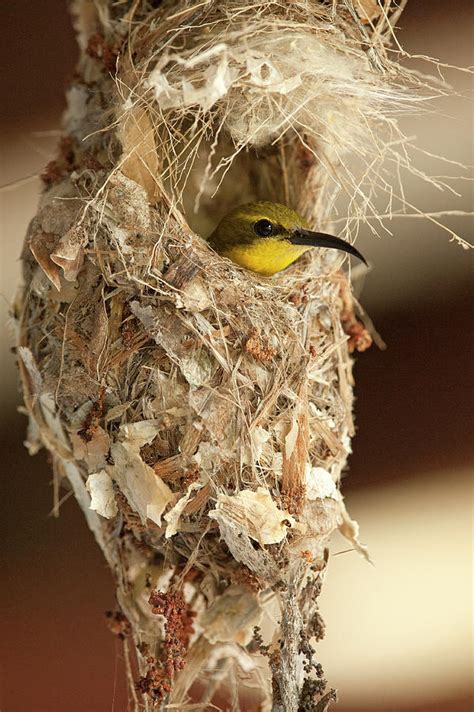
{"type": "Point", "coordinates": [266, 256]}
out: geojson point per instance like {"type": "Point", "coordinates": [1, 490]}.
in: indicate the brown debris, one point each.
{"type": "Point", "coordinates": [295, 299]}
{"type": "Point", "coordinates": [307, 555]}
{"type": "Point", "coordinates": [155, 454]}
{"type": "Point", "coordinates": [305, 154]}
{"type": "Point", "coordinates": [244, 576]}
{"type": "Point", "coordinates": [368, 10]}
{"type": "Point", "coordinates": [132, 521]}
{"type": "Point", "coordinates": [144, 649]}
{"type": "Point", "coordinates": [259, 347]}
{"type": "Point", "coordinates": [155, 683]}
{"type": "Point", "coordinates": [359, 337]}
{"type": "Point", "coordinates": [184, 269]}
{"type": "Point", "coordinates": [324, 702]}
{"type": "Point", "coordinates": [178, 621]}
{"type": "Point", "coordinates": [133, 334]}
{"type": "Point", "coordinates": [178, 628]}
{"type": "Point", "coordinates": [168, 468]}
{"type": "Point", "coordinates": [61, 166]}
{"type": "Point", "coordinates": [118, 624]}
{"type": "Point", "coordinates": [93, 418]}
{"type": "Point", "coordinates": [199, 501]}
{"type": "Point", "coordinates": [99, 49]}
{"type": "Point", "coordinates": [293, 501]}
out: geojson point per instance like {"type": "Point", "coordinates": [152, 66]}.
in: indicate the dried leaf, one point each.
{"type": "Point", "coordinates": [228, 651]}
{"type": "Point", "coordinates": [146, 493]}
{"type": "Point", "coordinates": [36, 381]}
{"type": "Point", "coordinates": [217, 414]}
{"type": "Point", "coordinates": [173, 516]}
{"type": "Point", "coordinates": [256, 513]}
{"type": "Point", "coordinates": [42, 245]}
{"type": "Point", "coordinates": [94, 450]}
{"type": "Point", "coordinates": [232, 617]}
{"type": "Point", "coordinates": [195, 364]}
{"type": "Point", "coordinates": [53, 435]}
{"type": "Point", "coordinates": [128, 210]}
{"type": "Point", "coordinates": [101, 490]}
{"type": "Point", "coordinates": [69, 253]}
{"type": "Point", "coordinates": [117, 411]}
{"type": "Point", "coordinates": [33, 442]}
{"type": "Point", "coordinates": [349, 529]}
{"type": "Point", "coordinates": [194, 296]}
{"type": "Point", "coordinates": [319, 484]}
{"type": "Point", "coordinates": [263, 73]}
{"type": "Point", "coordinates": [216, 80]}
{"type": "Point", "coordinates": [291, 438]}
{"type": "Point", "coordinates": [140, 157]}
{"type": "Point", "coordinates": [317, 519]}
{"type": "Point", "coordinates": [258, 438]}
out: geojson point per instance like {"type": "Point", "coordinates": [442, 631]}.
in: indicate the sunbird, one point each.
{"type": "Point", "coordinates": [266, 237]}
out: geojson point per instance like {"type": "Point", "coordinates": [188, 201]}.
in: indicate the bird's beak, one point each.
{"type": "Point", "coordinates": [320, 239]}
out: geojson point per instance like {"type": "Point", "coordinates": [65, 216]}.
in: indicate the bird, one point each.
{"type": "Point", "coordinates": [267, 237]}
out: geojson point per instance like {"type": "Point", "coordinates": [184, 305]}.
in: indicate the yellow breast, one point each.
{"type": "Point", "coordinates": [265, 256]}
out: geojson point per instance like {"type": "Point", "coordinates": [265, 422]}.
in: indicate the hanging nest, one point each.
{"type": "Point", "coordinates": [201, 414]}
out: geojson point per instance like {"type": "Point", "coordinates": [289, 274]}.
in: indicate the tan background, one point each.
{"type": "Point", "coordinates": [399, 633]}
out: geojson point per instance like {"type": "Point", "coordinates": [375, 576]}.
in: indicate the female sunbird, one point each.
{"type": "Point", "coordinates": [267, 237]}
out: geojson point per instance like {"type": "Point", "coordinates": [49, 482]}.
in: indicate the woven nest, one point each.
{"type": "Point", "coordinates": [201, 414]}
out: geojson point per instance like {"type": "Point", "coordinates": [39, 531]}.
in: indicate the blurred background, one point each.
{"type": "Point", "coordinates": [398, 633]}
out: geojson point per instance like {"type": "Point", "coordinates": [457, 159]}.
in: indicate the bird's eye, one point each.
{"type": "Point", "coordinates": [263, 228]}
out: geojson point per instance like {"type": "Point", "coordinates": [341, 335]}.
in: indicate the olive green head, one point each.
{"type": "Point", "coordinates": [250, 223]}
{"type": "Point", "coordinates": [267, 237]}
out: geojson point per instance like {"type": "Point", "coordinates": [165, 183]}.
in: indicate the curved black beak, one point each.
{"type": "Point", "coordinates": [320, 239]}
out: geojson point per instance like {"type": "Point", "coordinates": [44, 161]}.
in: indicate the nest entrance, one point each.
{"type": "Point", "coordinates": [252, 176]}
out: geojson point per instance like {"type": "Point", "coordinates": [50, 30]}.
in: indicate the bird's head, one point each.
{"type": "Point", "coordinates": [267, 237]}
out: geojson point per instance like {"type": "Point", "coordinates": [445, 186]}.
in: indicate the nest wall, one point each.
{"type": "Point", "coordinates": [202, 414]}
